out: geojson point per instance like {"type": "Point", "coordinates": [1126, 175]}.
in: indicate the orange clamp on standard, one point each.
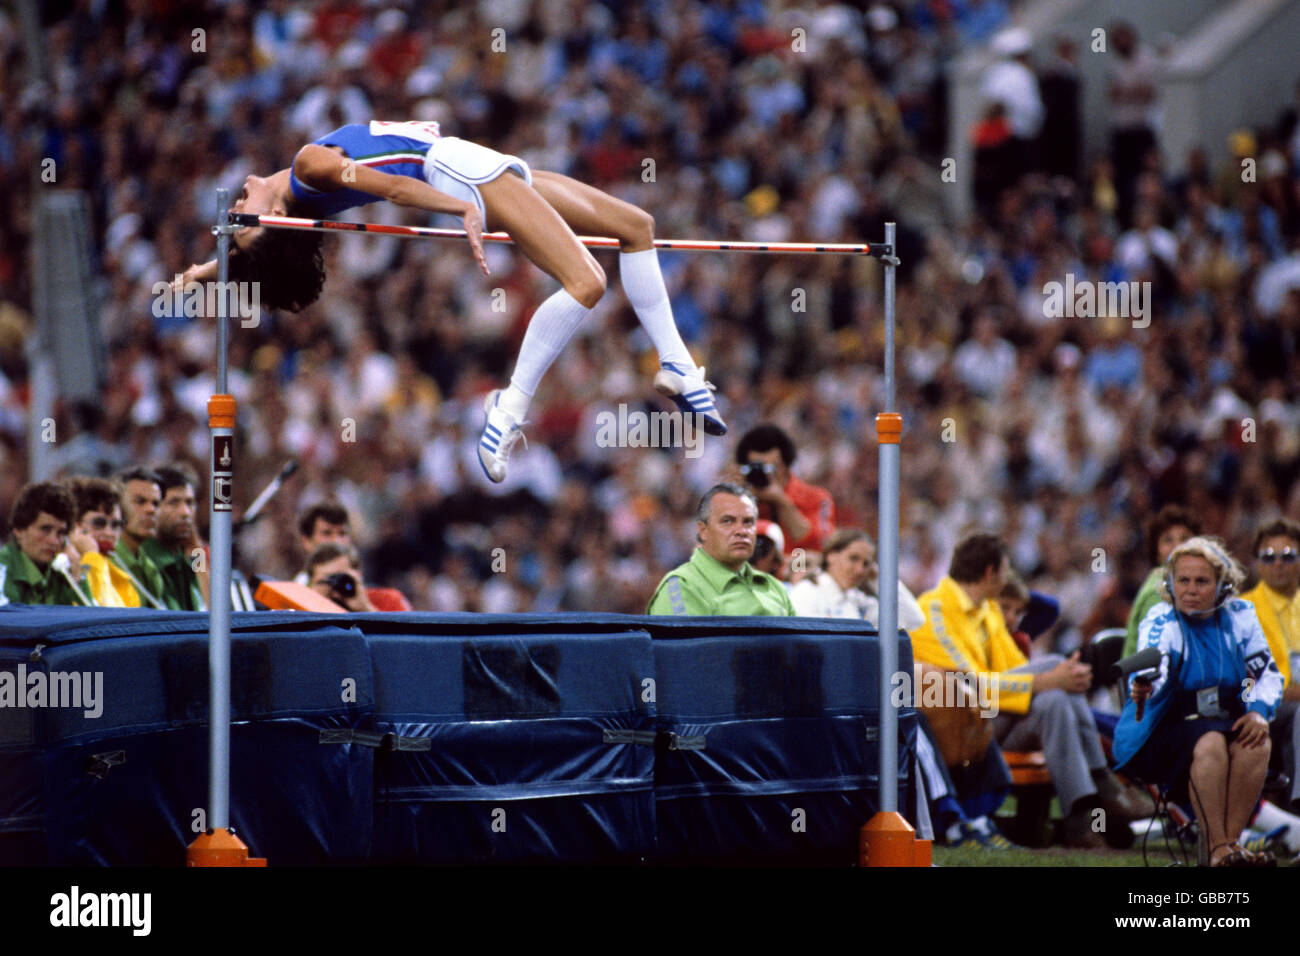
{"type": "Point", "coordinates": [889, 428]}
{"type": "Point", "coordinates": [220, 848]}
{"type": "Point", "coordinates": [221, 411]}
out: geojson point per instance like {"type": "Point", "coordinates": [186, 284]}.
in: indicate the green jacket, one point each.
{"type": "Point", "coordinates": [24, 583]}
{"type": "Point", "coordinates": [704, 586]}
{"type": "Point", "coordinates": [143, 569]}
{"type": "Point", "coordinates": [1148, 596]}
{"type": "Point", "coordinates": [180, 585]}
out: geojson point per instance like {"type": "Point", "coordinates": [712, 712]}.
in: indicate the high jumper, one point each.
{"type": "Point", "coordinates": [412, 164]}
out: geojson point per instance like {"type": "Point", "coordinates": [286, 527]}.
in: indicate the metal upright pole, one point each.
{"type": "Point", "coordinates": [888, 553]}
{"type": "Point", "coordinates": [219, 846]}
{"type": "Point", "coordinates": [219, 599]}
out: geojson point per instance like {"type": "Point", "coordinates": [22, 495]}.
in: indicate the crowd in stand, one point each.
{"type": "Point", "coordinates": [1060, 434]}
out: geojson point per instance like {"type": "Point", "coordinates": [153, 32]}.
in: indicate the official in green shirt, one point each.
{"type": "Point", "coordinates": [41, 517]}
{"type": "Point", "coordinates": [176, 543]}
{"type": "Point", "coordinates": [141, 498]}
{"type": "Point", "coordinates": [718, 578]}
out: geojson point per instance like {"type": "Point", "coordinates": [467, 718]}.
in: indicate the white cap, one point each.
{"type": "Point", "coordinates": [1013, 41]}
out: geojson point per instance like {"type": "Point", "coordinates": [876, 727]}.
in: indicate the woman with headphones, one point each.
{"type": "Point", "coordinates": [1200, 727]}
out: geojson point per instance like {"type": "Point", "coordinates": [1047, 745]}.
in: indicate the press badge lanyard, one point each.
{"type": "Point", "coordinates": [1207, 698]}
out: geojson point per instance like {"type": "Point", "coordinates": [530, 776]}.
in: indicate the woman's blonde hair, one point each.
{"type": "Point", "coordinates": [1226, 568]}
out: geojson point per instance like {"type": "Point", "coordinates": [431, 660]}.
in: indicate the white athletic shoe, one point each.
{"type": "Point", "coordinates": [691, 393]}
{"type": "Point", "coordinates": [500, 432]}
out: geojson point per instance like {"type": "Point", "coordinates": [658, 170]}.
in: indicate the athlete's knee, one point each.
{"type": "Point", "coordinates": [588, 286]}
{"type": "Point", "coordinates": [642, 230]}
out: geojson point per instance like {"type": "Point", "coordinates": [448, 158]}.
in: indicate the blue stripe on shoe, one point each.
{"type": "Point", "coordinates": [492, 430]}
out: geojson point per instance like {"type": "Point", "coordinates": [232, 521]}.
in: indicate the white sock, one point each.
{"type": "Point", "coordinates": [549, 331]}
{"type": "Point", "coordinates": [643, 284]}
{"type": "Point", "coordinates": [1271, 816]}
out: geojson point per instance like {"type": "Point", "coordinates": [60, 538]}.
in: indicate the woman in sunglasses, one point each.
{"type": "Point", "coordinates": [94, 535]}
{"type": "Point", "coordinates": [1277, 603]}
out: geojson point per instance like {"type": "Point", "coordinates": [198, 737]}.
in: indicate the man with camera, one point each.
{"type": "Point", "coordinates": [334, 571]}
{"type": "Point", "coordinates": [805, 513]}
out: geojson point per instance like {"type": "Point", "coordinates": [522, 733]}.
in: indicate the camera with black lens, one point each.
{"type": "Point", "coordinates": [758, 473]}
{"type": "Point", "coordinates": [342, 584]}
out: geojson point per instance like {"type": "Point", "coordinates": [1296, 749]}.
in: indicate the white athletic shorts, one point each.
{"type": "Point", "coordinates": [458, 167]}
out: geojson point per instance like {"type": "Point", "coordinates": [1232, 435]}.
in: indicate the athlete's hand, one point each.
{"type": "Point", "coordinates": [473, 221]}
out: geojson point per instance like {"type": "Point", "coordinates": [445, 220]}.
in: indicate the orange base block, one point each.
{"type": "Point", "coordinates": [220, 848]}
{"type": "Point", "coordinates": [889, 840]}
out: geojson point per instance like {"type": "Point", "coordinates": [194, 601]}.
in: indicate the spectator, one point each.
{"type": "Point", "coordinates": [1027, 613]}
{"type": "Point", "coordinates": [1199, 730]}
{"type": "Point", "coordinates": [1041, 702]}
{"type": "Point", "coordinates": [718, 578]}
{"type": "Point", "coordinates": [325, 522]}
{"type": "Point", "coordinates": [141, 496]}
{"type": "Point", "coordinates": [1277, 605]}
{"type": "Point", "coordinates": [1011, 82]}
{"type": "Point", "coordinates": [805, 513]}
{"type": "Point", "coordinates": [850, 560]}
{"type": "Point", "coordinates": [334, 571]}
{"type": "Point", "coordinates": [98, 526]}
{"type": "Point", "coordinates": [1171, 526]}
{"type": "Point", "coordinates": [39, 520]}
{"type": "Point", "coordinates": [769, 548]}
{"type": "Point", "coordinates": [847, 585]}
{"type": "Point", "coordinates": [176, 546]}
{"type": "Point", "coordinates": [1132, 95]}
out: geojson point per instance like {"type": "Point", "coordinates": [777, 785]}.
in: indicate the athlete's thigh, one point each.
{"type": "Point", "coordinates": [537, 229]}
{"type": "Point", "coordinates": [587, 209]}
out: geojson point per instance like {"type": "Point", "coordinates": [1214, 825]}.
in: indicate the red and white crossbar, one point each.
{"type": "Point", "coordinates": [878, 249]}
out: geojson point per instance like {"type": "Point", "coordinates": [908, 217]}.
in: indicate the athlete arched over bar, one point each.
{"type": "Point", "coordinates": [411, 164]}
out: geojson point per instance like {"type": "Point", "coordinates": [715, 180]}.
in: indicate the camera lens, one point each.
{"type": "Point", "coordinates": [756, 475]}
{"type": "Point", "coordinates": [342, 584]}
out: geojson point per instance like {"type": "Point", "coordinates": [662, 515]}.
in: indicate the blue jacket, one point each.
{"type": "Point", "coordinates": [1226, 649]}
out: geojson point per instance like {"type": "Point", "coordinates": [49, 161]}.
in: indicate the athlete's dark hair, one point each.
{"type": "Point", "coordinates": [288, 265]}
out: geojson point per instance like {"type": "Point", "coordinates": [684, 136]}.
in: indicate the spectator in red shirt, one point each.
{"type": "Point", "coordinates": [805, 513]}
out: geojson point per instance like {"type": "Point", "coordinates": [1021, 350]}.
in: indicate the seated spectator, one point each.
{"type": "Point", "coordinates": [97, 528]}
{"type": "Point", "coordinates": [141, 496]}
{"type": "Point", "coordinates": [718, 578]}
{"type": "Point", "coordinates": [805, 512]}
{"type": "Point", "coordinates": [40, 519]}
{"type": "Point", "coordinates": [1027, 613]}
{"type": "Point", "coordinates": [334, 571]}
{"type": "Point", "coordinates": [850, 560]}
{"type": "Point", "coordinates": [1041, 702]}
{"type": "Point", "coordinates": [177, 544]}
{"type": "Point", "coordinates": [769, 548]}
{"type": "Point", "coordinates": [325, 522]}
{"type": "Point", "coordinates": [841, 590]}
{"type": "Point", "coordinates": [1199, 730]}
{"type": "Point", "coordinates": [1170, 527]}
{"type": "Point", "coordinates": [1277, 605]}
